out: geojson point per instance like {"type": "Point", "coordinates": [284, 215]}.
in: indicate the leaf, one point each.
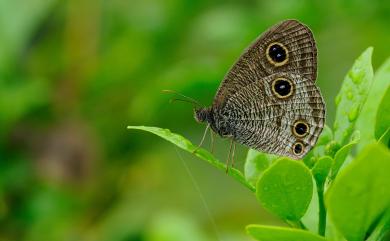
{"type": "Point", "coordinates": [186, 145]}
{"type": "Point", "coordinates": [255, 164]}
{"type": "Point", "coordinates": [285, 189]}
{"type": "Point", "coordinates": [325, 137]}
{"type": "Point", "coordinates": [310, 219]}
{"type": "Point", "coordinates": [269, 233]}
{"type": "Point", "coordinates": [353, 94]}
{"type": "Point", "coordinates": [331, 148]}
{"type": "Point", "coordinates": [319, 149]}
{"type": "Point", "coordinates": [173, 227]}
{"type": "Point", "coordinates": [321, 169]}
{"type": "Point", "coordinates": [373, 108]}
{"type": "Point", "coordinates": [382, 229]}
{"type": "Point", "coordinates": [385, 138]}
{"type": "Point", "coordinates": [383, 117]}
{"type": "Point", "coordinates": [361, 193]}
{"type": "Point", "coordinates": [340, 157]}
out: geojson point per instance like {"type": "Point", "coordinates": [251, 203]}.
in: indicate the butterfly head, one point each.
{"type": "Point", "coordinates": [202, 114]}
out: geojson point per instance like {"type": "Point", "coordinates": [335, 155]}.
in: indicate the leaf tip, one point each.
{"type": "Point", "coordinates": [249, 228]}
{"type": "Point", "coordinates": [369, 50]}
{"type": "Point", "coordinates": [133, 127]}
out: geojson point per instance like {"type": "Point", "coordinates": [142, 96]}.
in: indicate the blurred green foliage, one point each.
{"type": "Point", "coordinates": [73, 74]}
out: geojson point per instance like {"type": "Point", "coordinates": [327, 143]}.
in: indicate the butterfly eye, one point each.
{"type": "Point", "coordinates": [282, 87]}
{"type": "Point", "coordinates": [277, 54]}
{"type": "Point", "coordinates": [298, 148]}
{"type": "Point", "coordinates": [300, 128]}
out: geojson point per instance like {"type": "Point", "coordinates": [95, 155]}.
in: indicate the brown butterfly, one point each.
{"type": "Point", "coordinates": [268, 100]}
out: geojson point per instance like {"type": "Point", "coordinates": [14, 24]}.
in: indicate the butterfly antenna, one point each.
{"type": "Point", "coordinates": [186, 98]}
{"type": "Point", "coordinates": [188, 101]}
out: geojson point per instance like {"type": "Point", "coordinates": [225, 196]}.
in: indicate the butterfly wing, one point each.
{"type": "Point", "coordinates": [286, 47]}
{"type": "Point", "coordinates": [288, 125]}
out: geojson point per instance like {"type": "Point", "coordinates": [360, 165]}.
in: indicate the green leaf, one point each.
{"type": "Point", "coordinates": [331, 148]}
{"type": "Point", "coordinates": [383, 116]}
{"type": "Point", "coordinates": [340, 157]}
{"type": "Point", "coordinates": [171, 226]}
{"type": "Point", "coordinates": [372, 109]}
{"type": "Point", "coordinates": [382, 229]}
{"type": "Point", "coordinates": [269, 233]}
{"type": "Point", "coordinates": [321, 169]}
{"type": "Point", "coordinates": [385, 138]}
{"type": "Point", "coordinates": [352, 96]}
{"type": "Point", "coordinates": [186, 145]}
{"type": "Point", "coordinates": [285, 189]}
{"type": "Point", "coordinates": [256, 163]}
{"type": "Point", "coordinates": [325, 137]}
{"type": "Point", "coordinates": [361, 193]}
{"type": "Point", "coordinates": [319, 149]}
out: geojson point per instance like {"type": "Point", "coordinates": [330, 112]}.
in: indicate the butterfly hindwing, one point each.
{"type": "Point", "coordinates": [285, 123]}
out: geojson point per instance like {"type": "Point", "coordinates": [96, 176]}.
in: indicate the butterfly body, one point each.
{"type": "Point", "coordinates": [268, 101]}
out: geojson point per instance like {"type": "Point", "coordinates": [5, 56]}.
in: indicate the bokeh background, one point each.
{"type": "Point", "coordinates": [74, 74]}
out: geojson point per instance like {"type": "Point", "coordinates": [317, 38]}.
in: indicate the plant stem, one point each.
{"type": "Point", "coordinates": [322, 210]}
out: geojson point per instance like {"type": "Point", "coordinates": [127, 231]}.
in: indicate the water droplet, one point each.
{"type": "Point", "coordinates": [356, 75]}
{"type": "Point", "coordinates": [353, 113]}
{"type": "Point", "coordinates": [337, 100]}
{"type": "Point", "coordinates": [349, 95]}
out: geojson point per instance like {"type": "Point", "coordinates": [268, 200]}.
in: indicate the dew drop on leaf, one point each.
{"type": "Point", "coordinates": [356, 75]}
{"type": "Point", "coordinates": [350, 95]}
{"type": "Point", "coordinates": [353, 113]}
{"type": "Point", "coordinates": [337, 100]}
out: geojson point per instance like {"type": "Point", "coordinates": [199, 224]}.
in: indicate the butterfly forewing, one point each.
{"type": "Point", "coordinates": [299, 45]}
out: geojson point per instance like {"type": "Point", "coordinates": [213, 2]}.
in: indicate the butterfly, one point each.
{"type": "Point", "coordinates": [269, 100]}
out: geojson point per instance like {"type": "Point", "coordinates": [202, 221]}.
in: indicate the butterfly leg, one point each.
{"type": "Point", "coordinates": [201, 142]}
{"type": "Point", "coordinates": [228, 158]}
{"type": "Point", "coordinates": [212, 141]}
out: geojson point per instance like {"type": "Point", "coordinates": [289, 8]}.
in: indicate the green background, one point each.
{"type": "Point", "coordinates": [74, 74]}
